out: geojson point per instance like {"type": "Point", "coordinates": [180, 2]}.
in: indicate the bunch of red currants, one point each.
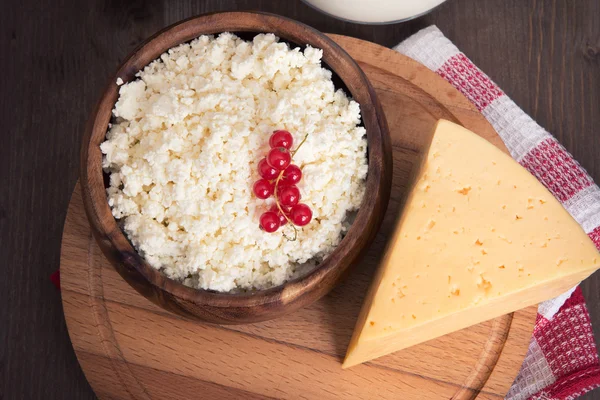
{"type": "Point", "coordinates": [279, 178]}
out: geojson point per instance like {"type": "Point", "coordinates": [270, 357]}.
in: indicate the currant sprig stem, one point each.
{"type": "Point", "coordinates": [277, 198]}
{"type": "Point", "coordinates": [299, 145]}
{"type": "Point", "coordinates": [273, 170]}
{"type": "Point", "coordinates": [282, 212]}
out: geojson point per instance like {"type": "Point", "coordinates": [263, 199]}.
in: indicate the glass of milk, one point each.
{"type": "Point", "coordinates": [374, 11]}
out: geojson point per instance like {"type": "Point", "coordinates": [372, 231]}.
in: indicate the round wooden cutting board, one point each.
{"type": "Point", "coordinates": [131, 349]}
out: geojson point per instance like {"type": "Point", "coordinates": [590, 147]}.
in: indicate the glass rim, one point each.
{"type": "Point", "coordinates": [397, 21]}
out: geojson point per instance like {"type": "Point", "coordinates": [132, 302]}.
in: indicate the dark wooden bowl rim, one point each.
{"type": "Point", "coordinates": [379, 152]}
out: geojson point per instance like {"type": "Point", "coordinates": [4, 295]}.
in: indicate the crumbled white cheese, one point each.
{"type": "Point", "coordinates": [183, 151]}
{"type": "Point", "coordinates": [119, 81]}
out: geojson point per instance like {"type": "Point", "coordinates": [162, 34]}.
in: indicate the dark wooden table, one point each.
{"type": "Point", "coordinates": [57, 55]}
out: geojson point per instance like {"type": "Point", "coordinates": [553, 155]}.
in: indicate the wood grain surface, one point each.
{"type": "Point", "coordinates": [119, 336]}
{"type": "Point", "coordinates": [58, 55]}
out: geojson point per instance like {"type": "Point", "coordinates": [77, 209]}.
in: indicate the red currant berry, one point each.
{"type": "Point", "coordinates": [282, 219]}
{"type": "Point", "coordinates": [269, 222]}
{"type": "Point", "coordinates": [279, 158]}
{"type": "Point", "coordinates": [300, 214]}
{"type": "Point", "coordinates": [281, 139]}
{"type": "Point", "coordinates": [291, 175]}
{"type": "Point", "coordinates": [266, 171]}
{"type": "Point", "coordinates": [263, 189]}
{"type": "Point", "coordinates": [288, 195]}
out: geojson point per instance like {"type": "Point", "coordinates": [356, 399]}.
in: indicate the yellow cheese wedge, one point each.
{"type": "Point", "coordinates": [479, 237]}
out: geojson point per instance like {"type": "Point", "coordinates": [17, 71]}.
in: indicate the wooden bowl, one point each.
{"type": "Point", "coordinates": [228, 308]}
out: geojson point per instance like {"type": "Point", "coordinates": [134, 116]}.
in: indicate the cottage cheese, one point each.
{"type": "Point", "coordinates": [183, 148]}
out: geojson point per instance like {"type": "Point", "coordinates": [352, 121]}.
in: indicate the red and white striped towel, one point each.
{"type": "Point", "coordinates": [562, 361]}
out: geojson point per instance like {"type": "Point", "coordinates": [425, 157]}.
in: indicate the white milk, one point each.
{"type": "Point", "coordinates": [374, 11]}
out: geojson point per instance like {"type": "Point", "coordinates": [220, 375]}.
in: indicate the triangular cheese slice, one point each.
{"type": "Point", "coordinates": [479, 237]}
